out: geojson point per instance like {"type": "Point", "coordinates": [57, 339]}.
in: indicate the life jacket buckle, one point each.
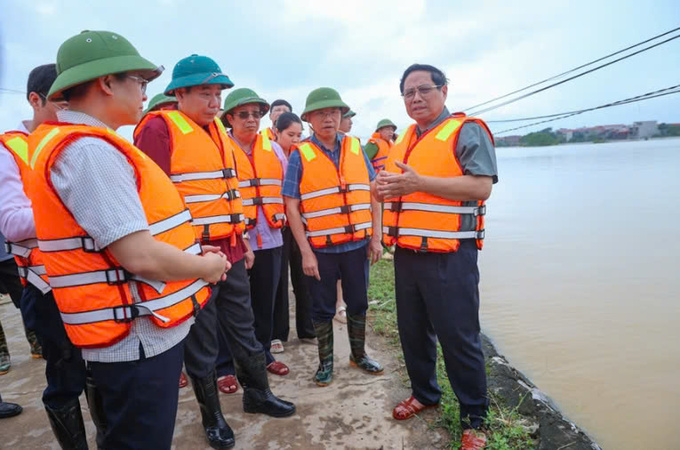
{"type": "Point", "coordinates": [396, 207]}
{"type": "Point", "coordinates": [254, 182]}
{"type": "Point", "coordinates": [350, 229]}
{"type": "Point", "coordinates": [342, 189]}
{"type": "Point", "coordinates": [234, 218]}
{"type": "Point", "coordinates": [344, 209]}
{"type": "Point", "coordinates": [116, 277]}
{"type": "Point", "coordinates": [393, 231]}
{"type": "Point", "coordinates": [481, 211]}
{"type": "Point", "coordinates": [480, 234]}
{"type": "Point", "coordinates": [258, 201]}
{"type": "Point", "coordinates": [127, 314]}
{"type": "Point", "coordinates": [228, 173]}
{"type": "Point", "coordinates": [88, 244]}
{"type": "Point", "coordinates": [8, 247]}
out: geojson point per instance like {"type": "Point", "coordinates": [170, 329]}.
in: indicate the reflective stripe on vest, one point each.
{"type": "Point", "coordinates": [263, 201]}
{"type": "Point", "coordinates": [335, 190]}
{"type": "Point", "coordinates": [126, 313]}
{"type": "Point", "coordinates": [338, 210]}
{"type": "Point", "coordinates": [410, 206]}
{"type": "Point", "coordinates": [229, 195]}
{"type": "Point", "coordinates": [32, 275]}
{"type": "Point", "coordinates": [19, 147]}
{"type": "Point", "coordinates": [213, 175]}
{"type": "Point", "coordinates": [228, 218]}
{"type": "Point", "coordinates": [339, 230]}
{"type": "Point", "coordinates": [396, 232]}
{"type": "Point", "coordinates": [259, 182]}
{"type": "Point", "coordinates": [22, 248]}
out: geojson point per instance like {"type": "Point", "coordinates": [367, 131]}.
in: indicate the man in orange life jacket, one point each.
{"type": "Point", "coordinates": [191, 145]}
{"type": "Point", "coordinates": [328, 185]}
{"type": "Point", "coordinates": [117, 243]}
{"type": "Point", "coordinates": [378, 146]}
{"type": "Point", "coordinates": [65, 369]}
{"type": "Point", "coordinates": [436, 179]}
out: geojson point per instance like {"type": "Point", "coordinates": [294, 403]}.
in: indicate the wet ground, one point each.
{"type": "Point", "coordinates": [353, 412]}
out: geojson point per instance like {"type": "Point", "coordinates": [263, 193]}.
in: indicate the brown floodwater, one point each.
{"type": "Point", "coordinates": [580, 283]}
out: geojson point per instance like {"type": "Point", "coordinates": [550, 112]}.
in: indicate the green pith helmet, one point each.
{"type": "Point", "coordinates": [321, 98]}
{"type": "Point", "coordinates": [348, 114]}
{"type": "Point", "coordinates": [385, 123]}
{"type": "Point", "coordinates": [159, 100]}
{"type": "Point", "coordinates": [196, 70]}
{"type": "Point", "coordinates": [243, 96]}
{"type": "Point", "coordinates": [93, 54]}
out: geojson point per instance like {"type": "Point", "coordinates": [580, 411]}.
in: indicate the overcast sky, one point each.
{"type": "Point", "coordinates": [285, 48]}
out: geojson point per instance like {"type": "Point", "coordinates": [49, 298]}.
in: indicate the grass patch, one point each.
{"type": "Point", "coordinates": [506, 428]}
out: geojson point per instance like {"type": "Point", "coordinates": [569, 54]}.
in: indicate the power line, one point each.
{"type": "Point", "coordinates": [566, 113]}
{"type": "Point", "coordinates": [574, 69]}
{"type": "Point", "coordinates": [639, 98]}
{"type": "Point", "coordinates": [573, 77]}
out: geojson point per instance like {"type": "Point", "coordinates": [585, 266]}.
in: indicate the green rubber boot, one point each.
{"type": "Point", "coordinates": [356, 329]}
{"type": "Point", "coordinates": [324, 333]}
{"type": "Point", "coordinates": [5, 363]}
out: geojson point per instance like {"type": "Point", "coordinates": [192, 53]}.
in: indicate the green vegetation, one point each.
{"type": "Point", "coordinates": [666, 129]}
{"type": "Point", "coordinates": [505, 427]}
{"type": "Point", "coordinates": [541, 138]}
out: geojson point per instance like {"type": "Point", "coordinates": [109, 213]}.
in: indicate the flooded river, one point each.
{"type": "Point", "coordinates": [581, 283]}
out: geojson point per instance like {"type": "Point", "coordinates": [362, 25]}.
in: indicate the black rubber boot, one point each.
{"type": "Point", "coordinates": [217, 430]}
{"type": "Point", "coordinates": [257, 397]}
{"type": "Point", "coordinates": [324, 333]}
{"type": "Point", "coordinates": [67, 425]}
{"type": "Point", "coordinates": [356, 329]}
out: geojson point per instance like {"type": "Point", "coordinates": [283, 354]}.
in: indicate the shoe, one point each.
{"type": "Point", "coordinates": [183, 382]}
{"type": "Point", "coordinates": [276, 346]}
{"type": "Point", "coordinates": [473, 440]}
{"type": "Point", "coordinates": [217, 430]}
{"type": "Point", "coordinates": [278, 368]}
{"type": "Point", "coordinates": [367, 364]}
{"type": "Point", "coordinates": [341, 315]}
{"type": "Point", "coordinates": [257, 396]}
{"type": "Point", "coordinates": [227, 384]}
{"type": "Point", "coordinates": [67, 425]}
{"type": "Point", "coordinates": [324, 334]}
{"type": "Point", "coordinates": [5, 363]}
{"type": "Point", "coordinates": [356, 330]}
{"type": "Point", "coordinates": [9, 410]}
{"type": "Point", "coordinates": [407, 409]}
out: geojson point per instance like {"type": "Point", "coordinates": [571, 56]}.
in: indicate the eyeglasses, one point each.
{"type": "Point", "coordinates": [243, 115]}
{"type": "Point", "coordinates": [423, 90]}
{"type": "Point", "coordinates": [326, 113]}
{"type": "Point", "coordinates": [142, 82]}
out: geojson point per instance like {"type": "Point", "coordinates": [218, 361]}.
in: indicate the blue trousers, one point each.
{"type": "Point", "coordinates": [438, 299]}
{"type": "Point", "coordinates": [139, 400]}
{"type": "Point", "coordinates": [352, 269]}
{"type": "Point", "coordinates": [65, 369]}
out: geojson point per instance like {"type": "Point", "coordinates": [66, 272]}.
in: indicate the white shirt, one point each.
{"type": "Point", "coordinates": [16, 214]}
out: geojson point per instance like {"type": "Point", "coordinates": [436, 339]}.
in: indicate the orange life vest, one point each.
{"type": "Point", "coordinates": [203, 170]}
{"type": "Point", "coordinates": [26, 252]}
{"type": "Point", "coordinates": [422, 221]}
{"type": "Point", "coordinates": [380, 157]}
{"type": "Point", "coordinates": [260, 178]}
{"type": "Point", "coordinates": [269, 133]}
{"type": "Point", "coordinates": [97, 297]}
{"type": "Point", "coordinates": [335, 203]}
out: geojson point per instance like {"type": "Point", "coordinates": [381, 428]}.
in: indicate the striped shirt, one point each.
{"type": "Point", "coordinates": [98, 186]}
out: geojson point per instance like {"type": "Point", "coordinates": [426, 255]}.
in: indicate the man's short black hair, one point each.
{"type": "Point", "coordinates": [40, 80]}
{"type": "Point", "coordinates": [280, 102]}
{"type": "Point", "coordinates": [438, 77]}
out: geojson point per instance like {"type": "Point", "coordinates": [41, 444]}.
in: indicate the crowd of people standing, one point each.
{"type": "Point", "coordinates": [140, 259]}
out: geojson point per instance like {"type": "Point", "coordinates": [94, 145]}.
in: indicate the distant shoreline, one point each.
{"type": "Point", "coordinates": [609, 141]}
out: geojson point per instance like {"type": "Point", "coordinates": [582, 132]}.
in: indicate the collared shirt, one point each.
{"type": "Point", "coordinates": [154, 140]}
{"type": "Point", "coordinates": [475, 153]}
{"type": "Point", "coordinates": [16, 215]}
{"type": "Point", "coordinates": [97, 185]}
{"type": "Point", "coordinates": [268, 237]}
{"type": "Point", "coordinates": [291, 184]}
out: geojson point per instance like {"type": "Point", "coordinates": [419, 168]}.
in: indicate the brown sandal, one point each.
{"type": "Point", "coordinates": [227, 384]}
{"type": "Point", "coordinates": [407, 409]}
{"type": "Point", "coordinates": [278, 368]}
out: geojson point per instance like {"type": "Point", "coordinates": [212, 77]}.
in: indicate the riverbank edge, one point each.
{"type": "Point", "coordinates": [553, 430]}
{"type": "Point", "coordinates": [519, 412]}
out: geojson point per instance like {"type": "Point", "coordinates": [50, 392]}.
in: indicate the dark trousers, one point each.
{"type": "Point", "coordinates": [352, 268]}
{"type": "Point", "coordinates": [65, 369]}
{"type": "Point", "coordinates": [438, 299]}
{"type": "Point", "coordinates": [139, 400]}
{"type": "Point", "coordinates": [10, 283]}
{"type": "Point", "coordinates": [230, 309]}
{"type": "Point", "coordinates": [303, 318]}
{"type": "Point", "coordinates": [264, 280]}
